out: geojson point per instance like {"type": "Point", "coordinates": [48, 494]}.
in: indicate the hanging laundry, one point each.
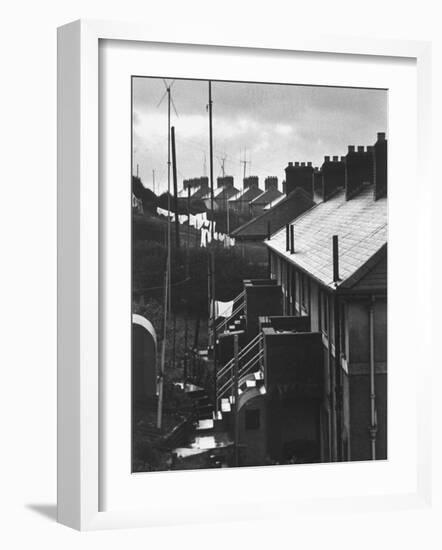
{"type": "Point", "coordinates": [223, 309]}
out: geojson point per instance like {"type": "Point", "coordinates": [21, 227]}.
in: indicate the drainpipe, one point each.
{"type": "Point", "coordinates": [373, 420]}
{"type": "Point", "coordinates": [335, 363]}
{"type": "Point", "coordinates": [332, 371]}
{"type": "Point", "coordinates": [338, 375]}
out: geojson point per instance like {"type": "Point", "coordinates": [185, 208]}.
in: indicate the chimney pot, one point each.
{"type": "Point", "coordinates": [309, 163]}
{"type": "Point", "coordinates": [381, 136]}
{"type": "Point", "coordinates": [351, 148]}
{"type": "Point", "coordinates": [335, 158]}
{"type": "Point", "coordinates": [342, 159]}
{"type": "Point", "coordinates": [290, 163]}
{"type": "Point", "coordinates": [370, 148]}
{"type": "Point", "coordinates": [302, 163]}
{"type": "Point", "coordinates": [327, 159]}
{"type": "Point", "coordinates": [360, 148]}
{"type": "Point", "coordinates": [296, 163]}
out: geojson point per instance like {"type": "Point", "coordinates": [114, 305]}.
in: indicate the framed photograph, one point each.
{"type": "Point", "coordinates": [225, 211]}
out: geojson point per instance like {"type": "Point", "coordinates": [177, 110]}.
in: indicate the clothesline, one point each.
{"type": "Point", "coordinates": [200, 222]}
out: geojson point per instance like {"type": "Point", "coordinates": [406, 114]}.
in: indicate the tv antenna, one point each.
{"type": "Point", "coordinates": [222, 161]}
{"type": "Point", "coordinates": [244, 162]}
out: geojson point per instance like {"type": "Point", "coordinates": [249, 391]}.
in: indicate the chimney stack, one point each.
{"type": "Point", "coordinates": [380, 166]}
{"type": "Point", "coordinates": [271, 182]}
{"type": "Point", "coordinates": [192, 183]}
{"type": "Point", "coordinates": [358, 170]}
{"type": "Point", "coordinates": [250, 181]}
{"type": "Point", "coordinates": [333, 176]}
{"type": "Point", "coordinates": [299, 175]}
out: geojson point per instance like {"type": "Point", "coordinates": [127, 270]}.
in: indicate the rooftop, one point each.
{"type": "Point", "coordinates": [267, 197]}
{"type": "Point", "coordinates": [282, 213]}
{"type": "Point", "coordinates": [360, 223]}
{"type": "Point", "coordinates": [275, 202]}
{"type": "Point", "coordinates": [247, 195]}
{"type": "Point", "coordinates": [224, 192]}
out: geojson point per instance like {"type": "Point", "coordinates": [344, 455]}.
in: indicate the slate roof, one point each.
{"type": "Point", "coordinates": [275, 202]}
{"type": "Point", "coordinates": [221, 195]}
{"type": "Point", "coordinates": [281, 214]}
{"type": "Point", "coordinates": [247, 195]}
{"type": "Point", "coordinates": [223, 192]}
{"type": "Point", "coordinates": [360, 223]}
{"type": "Point", "coordinates": [267, 197]}
{"type": "Point", "coordinates": [199, 193]}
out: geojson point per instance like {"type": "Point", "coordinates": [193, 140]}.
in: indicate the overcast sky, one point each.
{"type": "Point", "coordinates": [273, 123]}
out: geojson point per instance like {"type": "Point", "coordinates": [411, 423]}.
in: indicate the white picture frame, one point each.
{"type": "Point", "coordinates": [79, 367]}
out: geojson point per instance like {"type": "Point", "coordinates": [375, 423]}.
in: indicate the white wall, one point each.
{"type": "Point", "coordinates": [28, 250]}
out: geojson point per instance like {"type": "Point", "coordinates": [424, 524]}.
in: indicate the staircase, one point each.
{"type": "Point", "coordinates": [210, 441]}
{"type": "Point", "coordinates": [237, 316]}
{"type": "Point", "coordinates": [213, 422]}
{"type": "Point", "coordinates": [250, 370]}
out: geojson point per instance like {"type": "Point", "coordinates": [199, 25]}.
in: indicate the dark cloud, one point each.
{"type": "Point", "coordinates": [276, 123]}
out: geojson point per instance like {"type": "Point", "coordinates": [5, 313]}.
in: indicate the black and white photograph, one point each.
{"type": "Point", "coordinates": [259, 274]}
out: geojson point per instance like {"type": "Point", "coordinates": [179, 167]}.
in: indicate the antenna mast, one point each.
{"type": "Point", "coordinates": [212, 313]}
{"type": "Point", "coordinates": [244, 162]}
{"type": "Point", "coordinates": [223, 163]}
{"type": "Point", "coordinates": [167, 281]}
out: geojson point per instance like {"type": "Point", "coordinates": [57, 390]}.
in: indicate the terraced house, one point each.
{"type": "Point", "coordinates": [331, 264]}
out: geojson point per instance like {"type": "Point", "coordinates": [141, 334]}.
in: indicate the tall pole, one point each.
{"type": "Point", "coordinates": [228, 215]}
{"type": "Point", "coordinates": [167, 287]}
{"type": "Point", "coordinates": [212, 248]}
{"type": "Point", "coordinates": [223, 163]}
{"type": "Point", "coordinates": [163, 354]}
{"type": "Point", "coordinates": [169, 229]}
{"type": "Point", "coordinates": [211, 155]}
{"type": "Point", "coordinates": [236, 396]}
{"type": "Point", "coordinates": [175, 189]}
{"type": "Point", "coordinates": [244, 163]}
{"type": "Point", "coordinates": [186, 325]}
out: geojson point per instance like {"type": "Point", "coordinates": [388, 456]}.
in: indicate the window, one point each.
{"type": "Point", "coordinates": [252, 419]}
